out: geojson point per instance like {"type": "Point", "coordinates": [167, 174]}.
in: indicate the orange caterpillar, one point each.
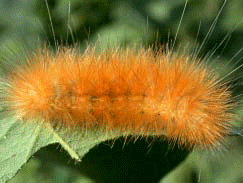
{"type": "Point", "coordinates": [143, 93]}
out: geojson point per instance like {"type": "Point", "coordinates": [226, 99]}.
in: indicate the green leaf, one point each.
{"type": "Point", "coordinates": [20, 140]}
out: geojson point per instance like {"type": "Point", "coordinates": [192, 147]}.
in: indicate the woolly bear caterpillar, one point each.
{"type": "Point", "coordinates": [137, 92]}
{"type": "Point", "coordinates": [141, 93]}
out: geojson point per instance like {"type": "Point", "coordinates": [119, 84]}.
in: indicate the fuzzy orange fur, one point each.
{"type": "Point", "coordinates": [139, 92]}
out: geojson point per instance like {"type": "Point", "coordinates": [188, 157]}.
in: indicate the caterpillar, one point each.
{"type": "Point", "coordinates": [142, 93]}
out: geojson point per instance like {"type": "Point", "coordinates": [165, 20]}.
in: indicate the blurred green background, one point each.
{"type": "Point", "coordinates": [108, 23]}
